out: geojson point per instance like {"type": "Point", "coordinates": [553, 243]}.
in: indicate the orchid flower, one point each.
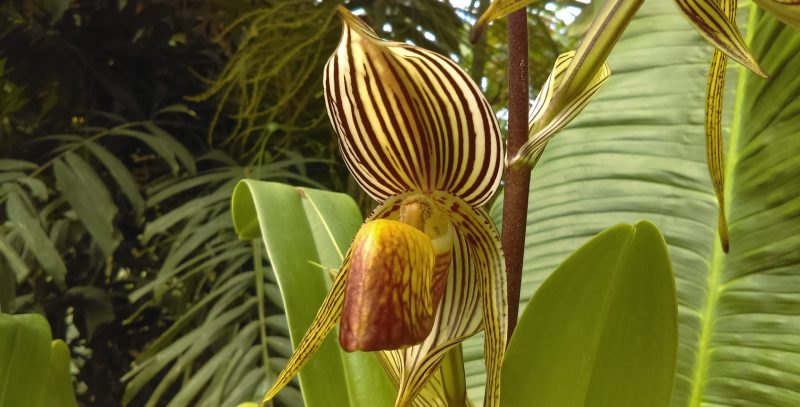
{"type": "Point", "coordinates": [425, 270]}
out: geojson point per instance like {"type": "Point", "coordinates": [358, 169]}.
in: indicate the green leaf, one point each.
{"type": "Point", "coordinates": [181, 152]}
{"type": "Point", "coordinates": [24, 357]}
{"type": "Point", "coordinates": [35, 239]}
{"type": "Point", "coordinates": [58, 390]}
{"type": "Point", "coordinates": [602, 330]}
{"type": "Point", "coordinates": [160, 145]}
{"type": "Point", "coordinates": [303, 227]}
{"type": "Point", "coordinates": [87, 194]}
{"type": "Point", "coordinates": [16, 264]}
{"type": "Point", "coordinates": [121, 175]}
{"type": "Point", "coordinates": [8, 164]}
{"type": "Point", "coordinates": [637, 151]}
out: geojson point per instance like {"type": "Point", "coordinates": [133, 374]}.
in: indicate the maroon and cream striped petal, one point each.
{"type": "Point", "coordinates": [409, 119]}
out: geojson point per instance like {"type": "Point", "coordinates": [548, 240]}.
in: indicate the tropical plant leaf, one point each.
{"type": "Point", "coordinates": [121, 175]}
{"type": "Point", "coordinates": [58, 390]}
{"type": "Point", "coordinates": [36, 240]}
{"type": "Point", "coordinates": [88, 195]}
{"type": "Point", "coordinates": [276, 211]}
{"type": "Point", "coordinates": [637, 151]}
{"type": "Point", "coordinates": [602, 330]}
{"type": "Point", "coordinates": [24, 358]}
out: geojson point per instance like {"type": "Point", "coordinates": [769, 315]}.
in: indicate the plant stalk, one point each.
{"type": "Point", "coordinates": [517, 178]}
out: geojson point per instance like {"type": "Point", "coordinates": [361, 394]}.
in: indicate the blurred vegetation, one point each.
{"type": "Point", "coordinates": [123, 129]}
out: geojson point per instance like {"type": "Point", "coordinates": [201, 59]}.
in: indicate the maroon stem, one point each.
{"type": "Point", "coordinates": [517, 178]}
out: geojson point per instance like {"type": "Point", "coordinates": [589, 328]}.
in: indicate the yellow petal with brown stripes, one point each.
{"type": "Point", "coordinates": [710, 21]}
{"type": "Point", "coordinates": [323, 323]}
{"type": "Point", "coordinates": [715, 88]}
{"type": "Point", "coordinates": [539, 132]}
{"type": "Point", "coordinates": [409, 119]}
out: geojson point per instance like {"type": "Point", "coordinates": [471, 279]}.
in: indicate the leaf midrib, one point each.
{"type": "Point", "coordinates": [715, 270]}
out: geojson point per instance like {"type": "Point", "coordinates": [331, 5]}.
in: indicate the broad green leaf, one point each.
{"type": "Point", "coordinates": [602, 330]}
{"type": "Point", "coordinates": [302, 227]}
{"type": "Point", "coordinates": [58, 390]}
{"type": "Point", "coordinates": [88, 195]}
{"type": "Point", "coordinates": [637, 151]}
{"type": "Point", "coordinates": [24, 358]}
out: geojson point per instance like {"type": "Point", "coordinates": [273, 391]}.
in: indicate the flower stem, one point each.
{"type": "Point", "coordinates": [517, 178]}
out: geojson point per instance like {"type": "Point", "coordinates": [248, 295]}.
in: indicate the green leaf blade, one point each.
{"type": "Point", "coordinates": [637, 151]}
{"type": "Point", "coordinates": [602, 330]}
{"type": "Point", "coordinates": [24, 358]}
{"type": "Point", "coordinates": [301, 227]}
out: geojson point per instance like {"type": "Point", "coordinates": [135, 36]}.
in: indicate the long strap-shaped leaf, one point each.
{"type": "Point", "coordinates": [538, 134]}
{"type": "Point", "coordinates": [709, 19]}
{"type": "Point", "coordinates": [714, 146]}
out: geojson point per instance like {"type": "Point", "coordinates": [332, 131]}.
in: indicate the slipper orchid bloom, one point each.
{"type": "Point", "coordinates": [425, 270]}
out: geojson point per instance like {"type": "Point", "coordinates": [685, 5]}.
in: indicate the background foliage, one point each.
{"type": "Point", "coordinates": [124, 127]}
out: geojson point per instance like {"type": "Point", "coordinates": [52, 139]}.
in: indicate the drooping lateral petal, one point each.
{"type": "Point", "coordinates": [323, 323]}
{"type": "Point", "coordinates": [486, 258]}
{"type": "Point", "coordinates": [710, 21]}
{"type": "Point", "coordinates": [432, 393]}
{"type": "Point", "coordinates": [715, 88]}
{"type": "Point", "coordinates": [409, 119]}
{"type": "Point", "coordinates": [540, 133]}
{"type": "Point", "coordinates": [475, 297]}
